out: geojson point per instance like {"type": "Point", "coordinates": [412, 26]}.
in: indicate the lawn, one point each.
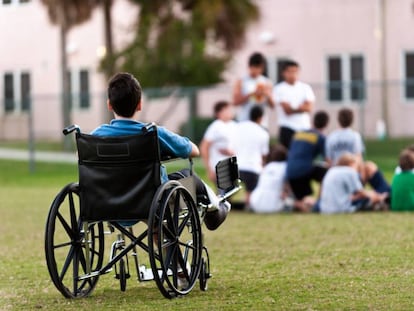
{"type": "Point", "coordinates": [259, 262]}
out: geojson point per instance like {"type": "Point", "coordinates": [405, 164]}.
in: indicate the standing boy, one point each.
{"type": "Point", "coordinates": [294, 101]}
{"type": "Point", "coordinates": [253, 89]}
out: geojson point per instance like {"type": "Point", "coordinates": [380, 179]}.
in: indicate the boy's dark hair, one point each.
{"type": "Point", "coordinates": [219, 106]}
{"type": "Point", "coordinates": [257, 59]}
{"type": "Point", "coordinates": [124, 94]}
{"type": "Point", "coordinates": [345, 117]}
{"type": "Point", "coordinates": [411, 148]}
{"type": "Point", "coordinates": [320, 120]}
{"type": "Point", "coordinates": [289, 63]}
{"type": "Point", "coordinates": [256, 113]}
{"type": "Point", "coordinates": [406, 160]}
{"type": "Point", "coordinates": [278, 153]}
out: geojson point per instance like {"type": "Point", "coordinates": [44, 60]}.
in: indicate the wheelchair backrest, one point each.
{"type": "Point", "coordinates": [118, 176]}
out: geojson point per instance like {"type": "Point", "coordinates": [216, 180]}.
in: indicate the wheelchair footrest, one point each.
{"type": "Point", "coordinates": [146, 274]}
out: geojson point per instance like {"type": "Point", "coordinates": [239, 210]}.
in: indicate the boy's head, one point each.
{"type": "Point", "coordinates": [347, 159]}
{"type": "Point", "coordinates": [257, 64]}
{"type": "Point", "coordinates": [320, 120]}
{"type": "Point", "coordinates": [256, 113]}
{"type": "Point", "coordinates": [223, 111]}
{"type": "Point", "coordinates": [345, 117]}
{"type": "Point", "coordinates": [278, 153]}
{"type": "Point", "coordinates": [407, 160]}
{"type": "Point", "coordinates": [124, 94]}
{"type": "Point", "coordinates": [290, 71]}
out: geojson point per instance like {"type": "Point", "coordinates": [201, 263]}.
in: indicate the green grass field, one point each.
{"type": "Point", "coordinates": [259, 262]}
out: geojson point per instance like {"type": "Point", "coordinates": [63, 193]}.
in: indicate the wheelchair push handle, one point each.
{"type": "Point", "coordinates": [71, 128]}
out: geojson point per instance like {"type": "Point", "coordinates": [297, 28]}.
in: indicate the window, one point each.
{"type": "Point", "coordinates": [357, 78]}
{"type": "Point", "coordinates": [335, 79]}
{"type": "Point", "coordinates": [17, 93]}
{"type": "Point", "coordinates": [275, 67]}
{"type": "Point", "coordinates": [25, 91]}
{"type": "Point", "coordinates": [409, 75]}
{"type": "Point", "coordinates": [346, 80]}
{"type": "Point", "coordinates": [84, 89]}
{"type": "Point", "coordinates": [6, 2]}
{"type": "Point", "coordinates": [9, 103]}
{"type": "Point", "coordinates": [79, 89]}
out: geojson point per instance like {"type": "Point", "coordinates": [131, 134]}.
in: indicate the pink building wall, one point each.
{"type": "Point", "coordinates": [305, 30]}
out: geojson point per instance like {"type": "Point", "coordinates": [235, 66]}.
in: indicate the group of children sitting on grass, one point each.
{"type": "Point", "coordinates": [335, 161]}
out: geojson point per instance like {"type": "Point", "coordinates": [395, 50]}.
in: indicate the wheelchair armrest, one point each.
{"type": "Point", "coordinates": [70, 129]}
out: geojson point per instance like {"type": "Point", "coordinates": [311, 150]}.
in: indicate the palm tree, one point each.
{"type": "Point", "coordinates": [177, 47]}
{"type": "Point", "coordinates": [66, 14]}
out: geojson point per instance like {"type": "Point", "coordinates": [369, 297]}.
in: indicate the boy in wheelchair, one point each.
{"type": "Point", "coordinates": [124, 100]}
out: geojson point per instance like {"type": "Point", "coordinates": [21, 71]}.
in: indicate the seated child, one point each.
{"type": "Point", "coordinates": [402, 187]}
{"type": "Point", "coordinates": [342, 190]}
{"type": "Point", "coordinates": [269, 195]}
{"type": "Point", "coordinates": [124, 100]}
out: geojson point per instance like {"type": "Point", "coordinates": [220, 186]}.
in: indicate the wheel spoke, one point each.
{"type": "Point", "coordinates": [183, 224]}
{"type": "Point", "coordinates": [62, 245]}
{"type": "Point", "coordinates": [66, 226]}
{"type": "Point", "coordinates": [182, 264]}
{"type": "Point", "coordinates": [67, 263]}
{"type": "Point", "coordinates": [72, 211]}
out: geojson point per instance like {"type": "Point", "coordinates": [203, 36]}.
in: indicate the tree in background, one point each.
{"type": "Point", "coordinates": [186, 42]}
{"type": "Point", "coordinates": [67, 14]}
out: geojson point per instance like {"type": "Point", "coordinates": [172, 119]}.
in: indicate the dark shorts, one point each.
{"type": "Point", "coordinates": [250, 180]}
{"type": "Point", "coordinates": [286, 136]}
{"type": "Point", "coordinates": [378, 183]}
{"type": "Point", "coordinates": [302, 187]}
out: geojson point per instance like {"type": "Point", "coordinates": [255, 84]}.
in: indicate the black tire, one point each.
{"type": "Point", "coordinates": [204, 275]}
{"type": "Point", "coordinates": [65, 245]}
{"type": "Point", "coordinates": [174, 240]}
{"type": "Point", "coordinates": [122, 274]}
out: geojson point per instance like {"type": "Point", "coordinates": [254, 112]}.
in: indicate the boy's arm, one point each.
{"type": "Point", "coordinates": [195, 152]}
{"type": "Point", "coordinates": [205, 155]}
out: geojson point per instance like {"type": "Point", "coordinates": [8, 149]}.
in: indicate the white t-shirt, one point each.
{"type": "Point", "coordinates": [249, 85]}
{"type": "Point", "coordinates": [252, 143]}
{"type": "Point", "coordinates": [266, 197]}
{"type": "Point", "coordinates": [222, 136]}
{"type": "Point", "coordinates": [343, 141]}
{"type": "Point", "coordinates": [295, 95]}
{"type": "Point", "coordinates": [338, 185]}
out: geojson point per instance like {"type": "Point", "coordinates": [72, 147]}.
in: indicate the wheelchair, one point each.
{"type": "Point", "coordinates": [119, 187]}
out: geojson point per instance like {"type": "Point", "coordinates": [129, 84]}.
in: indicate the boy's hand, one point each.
{"type": "Point", "coordinates": [226, 152]}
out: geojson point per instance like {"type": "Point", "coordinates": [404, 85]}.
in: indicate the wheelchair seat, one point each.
{"type": "Point", "coordinates": [118, 176]}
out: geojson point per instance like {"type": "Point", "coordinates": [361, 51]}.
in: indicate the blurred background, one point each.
{"type": "Point", "coordinates": [56, 57]}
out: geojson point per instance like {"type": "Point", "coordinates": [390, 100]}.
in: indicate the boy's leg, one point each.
{"type": "Point", "coordinates": [301, 188]}
{"type": "Point", "coordinates": [375, 178]}
{"type": "Point", "coordinates": [205, 195]}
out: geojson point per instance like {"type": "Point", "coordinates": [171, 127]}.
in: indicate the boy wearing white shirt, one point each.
{"type": "Point", "coordinates": [294, 101]}
{"type": "Point", "coordinates": [252, 146]}
{"type": "Point", "coordinates": [218, 140]}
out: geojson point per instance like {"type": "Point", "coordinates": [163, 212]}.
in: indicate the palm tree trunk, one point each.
{"type": "Point", "coordinates": [66, 109]}
{"type": "Point", "coordinates": [109, 69]}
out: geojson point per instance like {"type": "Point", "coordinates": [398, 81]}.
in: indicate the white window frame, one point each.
{"type": "Point", "coordinates": [272, 66]}
{"type": "Point", "coordinates": [14, 3]}
{"type": "Point", "coordinates": [346, 78]}
{"type": "Point", "coordinates": [75, 88]}
{"type": "Point", "coordinates": [404, 98]}
{"type": "Point", "coordinates": [17, 74]}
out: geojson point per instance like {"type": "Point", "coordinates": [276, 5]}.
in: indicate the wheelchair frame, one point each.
{"type": "Point", "coordinates": [177, 256]}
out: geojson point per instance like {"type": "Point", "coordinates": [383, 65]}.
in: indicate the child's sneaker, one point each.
{"type": "Point", "coordinates": [215, 218]}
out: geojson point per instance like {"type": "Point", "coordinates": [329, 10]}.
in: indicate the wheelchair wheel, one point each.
{"type": "Point", "coordinates": [205, 270]}
{"type": "Point", "coordinates": [122, 274]}
{"type": "Point", "coordinates": [174, 240]}
{"type": "Point", "coordinates": [65, 243]}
